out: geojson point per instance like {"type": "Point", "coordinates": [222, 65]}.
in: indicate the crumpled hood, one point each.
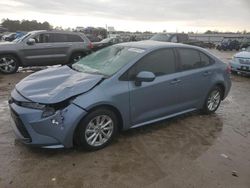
{"type": "Point", "coordinates": [54, 85]}
{"type": "Point", "coordinates": [242, 55]}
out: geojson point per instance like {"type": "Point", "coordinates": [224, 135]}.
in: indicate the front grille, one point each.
{"type": "Point", "coordinates": [245, 70]}
{"type": "Point", "coordinates": [19, 125]}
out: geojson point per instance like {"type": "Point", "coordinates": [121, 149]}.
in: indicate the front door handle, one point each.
{"type": "Point", "coordinates": [175, 81]}
{"type": "Point", "coordinates": [207, 73]}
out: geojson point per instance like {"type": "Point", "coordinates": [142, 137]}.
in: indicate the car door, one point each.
{"type": "Point", "coordinates": [39, 53]}
{"type": "Point", "coordinates": [195, 75]}
{"type": "Point", "coordinates": [61, 44]}
{"type": "Point", "coordinates": [159, 98]}
{"type": "Point", "coordinates": [49, 49]}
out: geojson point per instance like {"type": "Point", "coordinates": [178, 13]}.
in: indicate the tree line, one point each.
{"type": "Point", "coordinates": [25, 25]}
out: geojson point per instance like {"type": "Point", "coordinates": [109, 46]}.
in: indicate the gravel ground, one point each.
{"type": "Point", "coordinates": [188, 151]}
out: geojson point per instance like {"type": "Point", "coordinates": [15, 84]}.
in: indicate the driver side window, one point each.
{"type": "Point", "coordinates": [160, 62]}
{"type": "Point", "coordinates": [42, 38]}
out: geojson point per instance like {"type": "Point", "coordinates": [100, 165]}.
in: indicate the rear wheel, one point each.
{"type": "Point", "coordinates": [8, 64]}
{"type": "Point", "coordinates": [97, 129]}
{"type": "Point", "coordinates": [213, 100]}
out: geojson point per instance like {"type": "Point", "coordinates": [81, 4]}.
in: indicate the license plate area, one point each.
{"type": "Point", "coordinates": [244, 68]}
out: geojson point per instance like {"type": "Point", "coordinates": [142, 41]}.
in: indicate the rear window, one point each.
{"type": "Point", "coordinates": [74, 38]}
{"type": "Point", "coordinates": [59, 37]}
{"type": "Point", "coordinates": [192, 59]}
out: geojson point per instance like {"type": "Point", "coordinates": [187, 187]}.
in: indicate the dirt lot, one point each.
{"type": "Point", "coordinates": [188, 151]}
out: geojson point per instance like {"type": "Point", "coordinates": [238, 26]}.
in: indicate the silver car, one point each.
{"type": "Point", "coordinates": [117, 88]}
{"type": "Point", "coordinates": [240, 62]}
{"type": "Point", "coordinates": [43, 48]}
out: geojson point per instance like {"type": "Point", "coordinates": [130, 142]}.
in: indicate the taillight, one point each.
{"type": "Point", "coordinates": [228, 69]}
{"type": "Point", "coordinates": [90, 45]}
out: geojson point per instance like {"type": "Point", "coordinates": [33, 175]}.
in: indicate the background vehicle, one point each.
{"type": "Point", "coordinates": [43, 48]}
{"type": "Point", "coordinates": [181, 38]}
{"type": "Point", "coordinates": [228, 44]}
{"type": "Point", "coordinates": [117, 88]}
{"type": "Point", "coordinates": [104, 43]}
{"type": "Point", "coordinates": [241, 62]}
{"type": "Point", "coordinates": [9, 37]}
{"type": "Point", "coordinates": [245, 43]}
{"type": "Point", "coordinates": [93, 38]}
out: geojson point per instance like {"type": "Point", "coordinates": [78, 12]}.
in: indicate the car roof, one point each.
{"type": "Point", "coordinates": [54, 31]}
{"type": "Point", "coordinates": [150, 44]}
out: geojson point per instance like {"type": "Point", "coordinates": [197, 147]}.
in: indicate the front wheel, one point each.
{"type": "Point", "coordinates": [97, 129]}
{"type": "Point", "coordinates": [8, 64]}
{"type": "Point", "coordinates": [213, 100]}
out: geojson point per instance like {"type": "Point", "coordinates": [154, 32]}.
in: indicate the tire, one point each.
{"type": "Point", "coordinates": [90, 135]}
{"type": "Point", "coordinates": [9, 64]}
{"type": "Point", "coordinates": [75, 57]}
{"type": "Point", "coordinates": [216, 100]}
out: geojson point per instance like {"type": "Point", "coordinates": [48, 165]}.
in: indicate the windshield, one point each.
{"type": "Point", "coordinates": [108, 60]}
{"type": "Point", "coordinates": [161, 37]}
{"type": "Point", "coordinates": [21, 38]}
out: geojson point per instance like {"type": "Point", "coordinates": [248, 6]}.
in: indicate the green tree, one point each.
{"type": "Point", "coordinates": [25, 25]}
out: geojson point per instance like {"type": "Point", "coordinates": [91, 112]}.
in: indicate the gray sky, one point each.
{"type": "Point", "coordinates": [152, 15]}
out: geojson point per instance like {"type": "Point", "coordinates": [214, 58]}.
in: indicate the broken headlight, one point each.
{"type": "Point", "coordinates": [47, 110]}
{"type": "Point", "coordinates": [32, 105]}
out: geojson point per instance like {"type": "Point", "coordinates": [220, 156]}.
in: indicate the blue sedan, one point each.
{"type": "Point", "coordinates": [117, 88]}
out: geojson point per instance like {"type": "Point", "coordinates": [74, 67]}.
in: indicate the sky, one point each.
{"type": "Point", "coordinates": [134, 15]}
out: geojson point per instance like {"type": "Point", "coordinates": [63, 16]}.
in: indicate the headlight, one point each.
{"type": "Point", "coordinates": [32, 105]}
{"type": "Point", "coordinates": [47, 111]}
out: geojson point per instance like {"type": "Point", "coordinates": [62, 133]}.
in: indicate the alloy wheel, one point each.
{"type": "Point", "coordinates": [7, 64]}
{"type": "Point", "coordinates": [99, 130]}
{"type": "Point", "coordinates": [214, 100]}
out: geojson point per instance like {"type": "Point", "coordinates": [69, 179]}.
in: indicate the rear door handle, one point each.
{"type": "Point", "coordinates": [175, 81]}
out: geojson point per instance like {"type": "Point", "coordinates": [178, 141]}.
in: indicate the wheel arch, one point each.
{"type": "Point", "coordinates": [13, 54]}
{"type": "Point", "coordinates": [222, 87]}
{"type": "Point", "coordinates": [103, 106]}
{"type": "Point", "coordinates": [113, 109]}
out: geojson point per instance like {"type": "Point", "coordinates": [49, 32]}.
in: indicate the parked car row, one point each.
{"type": "Point", "coordinates": [229, 45]}
{"type": "Point", "coordinates": [181, 38]}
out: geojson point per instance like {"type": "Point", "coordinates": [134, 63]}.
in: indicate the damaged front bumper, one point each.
{"type": "Point", "coordinates": [54, 131]}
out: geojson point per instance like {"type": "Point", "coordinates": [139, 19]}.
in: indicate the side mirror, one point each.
{"type": "Point", "coordinates": [144, 76]}
{"type": "Point", "coordinates": [31, 41]}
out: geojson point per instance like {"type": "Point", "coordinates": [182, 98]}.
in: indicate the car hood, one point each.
{"type": "Point", "coordinates": [54, 85]}
{"type": "Point", "coordinates": [242, 55]}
